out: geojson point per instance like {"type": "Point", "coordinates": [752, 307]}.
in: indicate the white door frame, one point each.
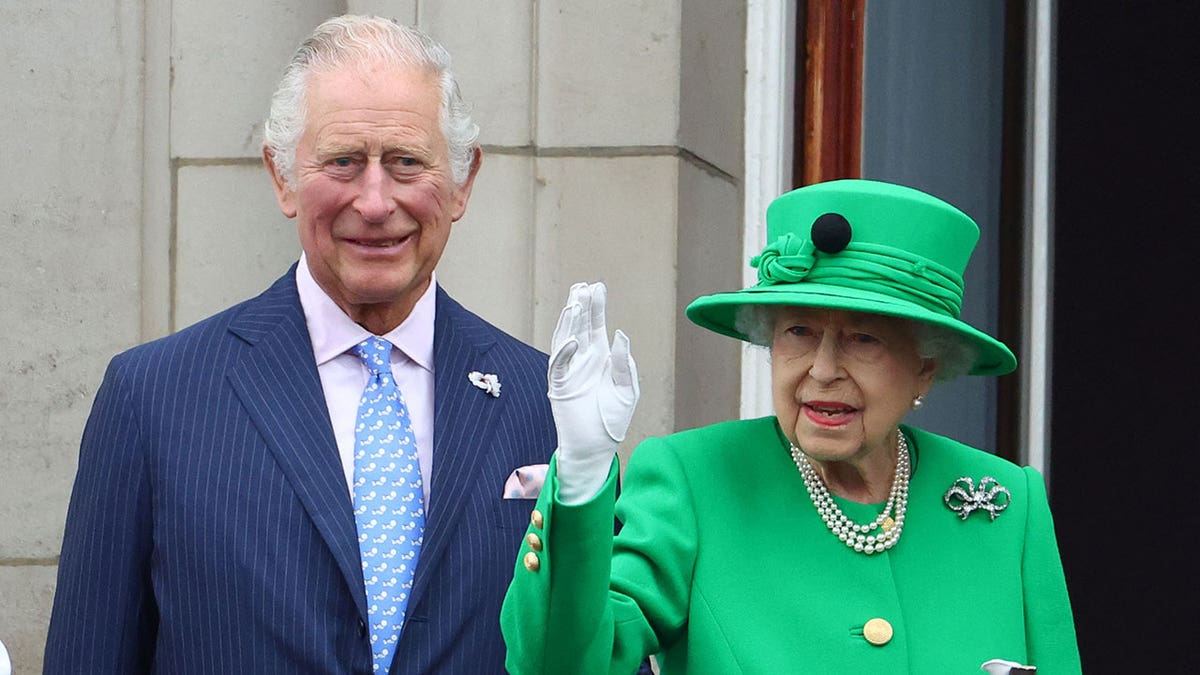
{"type": "Point", "coordinates": [770, 78]}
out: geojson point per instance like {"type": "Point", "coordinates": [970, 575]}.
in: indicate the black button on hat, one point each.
{"type": "Point", "coordinates": [831, 232]}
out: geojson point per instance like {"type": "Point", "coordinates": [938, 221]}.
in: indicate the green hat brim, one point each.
{"type": "Point", "coordinates": [718, 313]}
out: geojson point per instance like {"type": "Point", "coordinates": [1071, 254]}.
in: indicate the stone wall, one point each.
{"type": "Point", "coordinates": [132, 202]}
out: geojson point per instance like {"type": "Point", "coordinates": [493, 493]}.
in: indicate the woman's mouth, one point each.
{"type": "Point", "coordinates": [829, 414]}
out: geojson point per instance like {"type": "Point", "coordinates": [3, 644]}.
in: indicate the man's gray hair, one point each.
{"type": "Point", "coordinates": [348, 41]}
{"type": "Point", "coordinates": [953, 353]}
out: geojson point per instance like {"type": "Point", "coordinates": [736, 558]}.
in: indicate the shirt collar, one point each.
{"type": "Point", "coordinates": [333, 333]}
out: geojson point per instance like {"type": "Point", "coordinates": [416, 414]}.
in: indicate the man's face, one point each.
{"type": "Point", "coordinates": [373, 196]}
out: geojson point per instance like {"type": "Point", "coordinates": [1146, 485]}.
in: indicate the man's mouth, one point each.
{"type": "Point", "coordinates": [378, 243]}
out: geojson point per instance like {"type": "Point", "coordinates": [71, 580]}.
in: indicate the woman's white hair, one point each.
{"type": "Point", "coordinates": [954, 354]}
{"type": "Point", "coordinates": [347, 41]}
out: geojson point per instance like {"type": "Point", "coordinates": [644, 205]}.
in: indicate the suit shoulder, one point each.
{"type": "Point", "coordinates": [196, 333]}
{"type": "Point", "coordinates": [517, 346]}
{"type": "Point", "coordinates": [148, 356]}
{"type": "Point", "coordinates": [481, 329]}
{"type": "Point", "coordinates": [198, 343]}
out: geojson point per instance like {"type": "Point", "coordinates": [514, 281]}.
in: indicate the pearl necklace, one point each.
{"type": "Point", "coordinates": [861, 538]}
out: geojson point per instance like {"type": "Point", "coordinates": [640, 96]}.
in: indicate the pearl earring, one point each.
{"type": "Point", "coordinates": [918, 402]}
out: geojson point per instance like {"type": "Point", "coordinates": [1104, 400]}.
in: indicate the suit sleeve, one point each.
{"type": "Point", "coordinates": [104, 618]}
{"type": "Point", "coordinates": [595, 604]}
{"type": "Point", "coordinates": [1049, 623]}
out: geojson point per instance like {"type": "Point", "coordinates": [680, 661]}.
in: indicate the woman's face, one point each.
{"type": "Point", "coordinates": [842, 381]}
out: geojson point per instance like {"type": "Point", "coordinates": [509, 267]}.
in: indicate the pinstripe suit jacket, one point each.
{"type": "Point", "coordinates": [210, 528]}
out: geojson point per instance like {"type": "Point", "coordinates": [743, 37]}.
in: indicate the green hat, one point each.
{"type": "Point", "coordinates": [863, 246]}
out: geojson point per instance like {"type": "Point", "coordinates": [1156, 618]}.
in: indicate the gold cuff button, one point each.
{"type": "Point", "coordinates": [536, 518]}
{"type": "Point", "coordinates": [532, 563]}
{"type": "Point", "coordinates": [878, 632]}
{"type": "Point", "coordinates": [534, 541]}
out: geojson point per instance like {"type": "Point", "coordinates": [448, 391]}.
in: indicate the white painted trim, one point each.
{"type": "Point", "coordinates": [1039, 223]}
{"type": "Point", "coordinates": [770, 68]}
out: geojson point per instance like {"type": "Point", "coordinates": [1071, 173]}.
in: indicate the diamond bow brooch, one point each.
{"type": "Point", "coordinates": [963, 497]}
{"type": "Point", "coordinates": [488, 382]}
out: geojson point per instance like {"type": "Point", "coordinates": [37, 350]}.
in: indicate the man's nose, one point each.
{"type": "Point", "coordinates": [374, 201]}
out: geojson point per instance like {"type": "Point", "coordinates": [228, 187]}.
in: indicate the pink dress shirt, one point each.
{"type": "Point", "coordinates": [343, 376]}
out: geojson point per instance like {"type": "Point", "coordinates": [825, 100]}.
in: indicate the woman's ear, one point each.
{"type": "Point", "coordinates": [928, 370]}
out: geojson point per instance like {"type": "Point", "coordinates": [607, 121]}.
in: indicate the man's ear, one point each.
{"type": "Point", "coordinates": [283, 194]}
{"type": "Point", "coordinates": [463, 192]}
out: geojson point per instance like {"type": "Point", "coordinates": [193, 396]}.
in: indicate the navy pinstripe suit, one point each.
{"type": "Point", "coordinates": [210, 528]}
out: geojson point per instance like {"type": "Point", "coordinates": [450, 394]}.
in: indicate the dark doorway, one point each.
{"type": "Point", "coordinates": [1125, 394]}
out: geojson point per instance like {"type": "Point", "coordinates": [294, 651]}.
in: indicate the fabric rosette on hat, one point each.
{"type": "Point", "coordinates": [863, 246]}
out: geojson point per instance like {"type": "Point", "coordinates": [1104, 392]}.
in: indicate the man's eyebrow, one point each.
{"type": "Point", "coordinates": [338, 148]}
{"type": "Point", "coordinates": [405, 148]}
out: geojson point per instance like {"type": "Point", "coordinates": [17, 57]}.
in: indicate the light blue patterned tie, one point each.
{"type": "Point", "coordinates": [388, 501]}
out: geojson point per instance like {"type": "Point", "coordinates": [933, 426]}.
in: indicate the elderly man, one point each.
{"type": "Point", "coordinates": [334, 476]}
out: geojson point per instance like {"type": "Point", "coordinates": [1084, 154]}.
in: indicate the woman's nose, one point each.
{"type": "Point", "coordinates": [827, 359]}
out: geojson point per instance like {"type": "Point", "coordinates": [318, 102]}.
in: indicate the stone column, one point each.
{"type": "Point", "coordinates": [134, 203]}
{"type": "Point", "coordinates": [70, 226]}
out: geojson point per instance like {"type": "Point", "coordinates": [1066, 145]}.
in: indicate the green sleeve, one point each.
{"type": "Point", "coordinates": [592, 605]}
{"type": "Point", "coordinates": [1049, 623]}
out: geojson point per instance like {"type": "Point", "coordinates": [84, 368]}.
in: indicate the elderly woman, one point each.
{"type": "Point", "coordinates": [827, 538]}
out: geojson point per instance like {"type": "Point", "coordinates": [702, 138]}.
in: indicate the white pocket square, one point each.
{"type": "Point", "coordinates": [525, 482]}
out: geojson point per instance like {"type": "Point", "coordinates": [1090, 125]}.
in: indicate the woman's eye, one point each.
{"type": "Point", "coordinates": [864, 346]}
{"type": "Point", "coordinates": [342, 162]}
{"type": "Point", "coordinates": [800, 331]}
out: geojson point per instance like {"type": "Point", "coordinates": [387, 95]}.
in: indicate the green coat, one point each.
{"type": "Point", "coordinates": [723, 566]}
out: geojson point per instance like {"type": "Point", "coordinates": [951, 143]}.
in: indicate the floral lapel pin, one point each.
{"type": "Point", "coordinates": [488, 382]}
{"type": "Point", "coordinates": [963, 497]}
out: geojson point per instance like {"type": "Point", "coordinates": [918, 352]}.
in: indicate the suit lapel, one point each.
{"type": "Point", "coordinates": [278, 384]}
{"type": "Point", "coordinates": [462, 422]}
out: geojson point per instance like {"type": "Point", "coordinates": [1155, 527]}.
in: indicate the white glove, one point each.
{"type": "Point", "coordinates": [593, 392]}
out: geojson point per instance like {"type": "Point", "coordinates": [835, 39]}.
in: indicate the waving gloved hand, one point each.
{"type": "Point", "coordinates": [593, 391]}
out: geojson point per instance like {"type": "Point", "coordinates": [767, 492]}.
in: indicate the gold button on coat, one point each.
{"type": "Point", "coordinates": [532, 563]}
{"type": "Point", "coordinates": [536, 518]}
{"type": "Point", "coordinates": [534, 541]}
{"type": "Point", "coordinates": [878, 632]}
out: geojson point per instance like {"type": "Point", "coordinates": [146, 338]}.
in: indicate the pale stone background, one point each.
{"type": "Point", "coordinates": [132, 202]}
